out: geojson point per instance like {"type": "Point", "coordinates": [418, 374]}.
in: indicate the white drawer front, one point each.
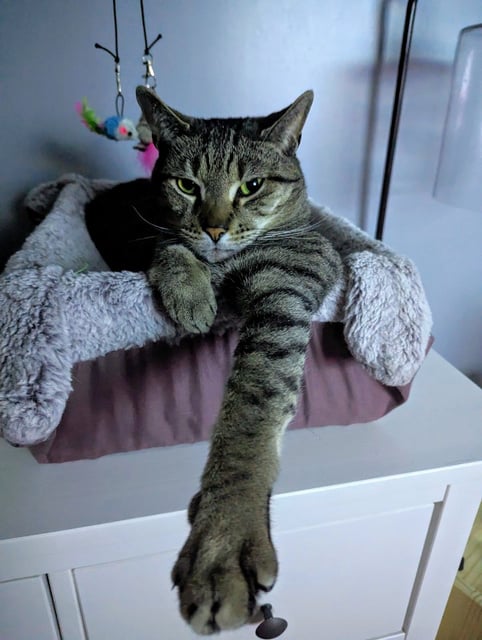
{"type": "Point", "coordinates": [344, 580]}
{"type": "Point", "coordinates": [350, 580]}
{"type": "Point", "coordinates": [26, 611]}
{"type": "Point", "coordinates": [131, 599]}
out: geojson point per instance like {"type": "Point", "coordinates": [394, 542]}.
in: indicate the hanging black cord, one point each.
{"type": "Point", "coordinates": [397, 108]}
{"type": "Point", "coordinates": [116, 35]}
{"type": "Point", "coordinates": [147, 48]}
{"type": "Point", "coordinates": [119, 99]}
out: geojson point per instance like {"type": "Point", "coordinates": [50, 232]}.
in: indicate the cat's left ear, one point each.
{"type": "Point", "coordinates": [164, 121]}
{"type": "Point", "coordinates": [285, 132]}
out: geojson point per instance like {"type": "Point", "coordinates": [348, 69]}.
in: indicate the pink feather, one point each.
{"type": "Point", "coordinates": [148, 158]}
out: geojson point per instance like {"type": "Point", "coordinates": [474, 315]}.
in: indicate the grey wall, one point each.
{"type": "Point", "coordinates": [235, 57]}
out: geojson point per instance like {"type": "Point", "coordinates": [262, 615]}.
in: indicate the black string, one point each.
{"type": "Point", "coordinates": [119, 103]}
{"type": "Point", "coordinates": [147, 48]}
{"type": "Point", "coordinates": [119, 100]}
{"type": "Point", "coordinates": [114, 8]}
{"type": "Point", "coordinates": [116, 35]}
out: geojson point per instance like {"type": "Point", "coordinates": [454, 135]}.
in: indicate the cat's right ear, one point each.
{"type": "Point", "coordinates": [163, 121]}
{"type": "Point", "coordinates": [284, 127]}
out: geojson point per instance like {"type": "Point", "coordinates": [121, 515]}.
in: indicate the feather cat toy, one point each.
{"type": "Point", "coordinates": [117, 127]}
{"type": "Point", "coordinates": [148, 153]}
{"type": "Point", "coordinates": [114, 127]}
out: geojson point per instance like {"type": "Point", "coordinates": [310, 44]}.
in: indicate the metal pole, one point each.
{"type": "Point", "coordinates": [396, 111]}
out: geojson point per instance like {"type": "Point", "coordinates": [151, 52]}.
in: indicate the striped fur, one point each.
{"type": "Point", "coordinates": [264, 257]}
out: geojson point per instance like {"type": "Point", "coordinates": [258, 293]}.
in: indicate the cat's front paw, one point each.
{"type": "Point", "coordinates": [187, 296]}
{"type": "Point", "coordinates": [227, 559]}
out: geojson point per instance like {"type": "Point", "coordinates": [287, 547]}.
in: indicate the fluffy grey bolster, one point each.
{"type": "Point", "coordinates": [60, 304]}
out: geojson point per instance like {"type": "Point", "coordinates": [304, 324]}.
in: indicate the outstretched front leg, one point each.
{"type": "Point", "coordinates": [229, 555]}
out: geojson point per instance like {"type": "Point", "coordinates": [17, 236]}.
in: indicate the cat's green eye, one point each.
{"type": "Point", "coordinates": [250, 187]}
{"type": "Point", "coordinates": [187, 186]}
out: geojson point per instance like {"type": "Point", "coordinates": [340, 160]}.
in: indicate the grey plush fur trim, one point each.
{"type": "Point", "coordinates": [60, 304]}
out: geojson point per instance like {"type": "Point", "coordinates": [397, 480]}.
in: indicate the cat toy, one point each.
{"type": "Point", "coordinates": [115, 127]}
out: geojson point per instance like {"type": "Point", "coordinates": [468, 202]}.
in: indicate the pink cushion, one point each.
{"type": "Point", "coordinates": [158, 395]}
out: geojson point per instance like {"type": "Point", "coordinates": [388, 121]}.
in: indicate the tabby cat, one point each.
{"type": "Point", "coordinates": [225, 221]}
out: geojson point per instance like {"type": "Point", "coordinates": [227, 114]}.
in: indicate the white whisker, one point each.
{"type": "Point", "coordinates": [145, 238]}
{"type": "Point", "coordinates": [293, 232]}
{"type": "Point", "coordinates": [156, 226]}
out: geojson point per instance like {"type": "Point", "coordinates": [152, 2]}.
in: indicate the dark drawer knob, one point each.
{"type": "Point", "coordinates": [270, 627]}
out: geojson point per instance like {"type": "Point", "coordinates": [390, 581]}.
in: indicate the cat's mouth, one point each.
{"type": "Point", "coordinates": [218, 251]}
{"type": "Point", "coordinates": [217, 254]}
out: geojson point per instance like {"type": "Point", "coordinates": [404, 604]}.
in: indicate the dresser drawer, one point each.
{"type": "Point", "coordinates": [348, 578]}
{"type": "Point", "coordinates": [26, 611]}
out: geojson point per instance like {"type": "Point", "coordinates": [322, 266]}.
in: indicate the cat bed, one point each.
{"type": "Point", "coordinates": [159, 395]}
{"type": "Point", "coordinates": [61, 305]}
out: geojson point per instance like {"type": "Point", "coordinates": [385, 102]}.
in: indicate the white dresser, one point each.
{"type": "Point", "coordinates": [370, 522]}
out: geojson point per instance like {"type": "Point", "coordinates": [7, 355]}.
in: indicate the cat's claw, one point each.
{"type": "Point", "coordinates": [222, 567]}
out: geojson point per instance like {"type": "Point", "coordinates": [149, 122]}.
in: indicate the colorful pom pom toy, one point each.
{"type": "Point", "coordinates": [114, 127]}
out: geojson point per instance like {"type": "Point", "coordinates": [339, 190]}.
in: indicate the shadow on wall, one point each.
{"type": "Point", "coordinates": [20, 227]}
{"type": "Point", "coordinates": [477, 378]}
{"type": "Point", "coordinates": [419, 138]}
{"type": "Point", "coordinates": [55, 160]}
{"type": "Point", "coordinates": [62, 158]}
{"type": "Point", "coordinates": [371, 125]}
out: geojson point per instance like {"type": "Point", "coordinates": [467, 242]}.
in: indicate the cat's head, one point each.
{"type": "Point", "coordinates": [223, 183]}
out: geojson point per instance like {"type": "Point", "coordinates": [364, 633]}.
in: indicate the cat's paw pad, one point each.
{"type": "Point", "coordinates": [219, 573]}
{"type": "Point", "coordinates": [187, 297]}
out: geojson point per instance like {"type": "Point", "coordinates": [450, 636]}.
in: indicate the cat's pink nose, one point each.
{"type": "Point", "coordinates": [215, 233]}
